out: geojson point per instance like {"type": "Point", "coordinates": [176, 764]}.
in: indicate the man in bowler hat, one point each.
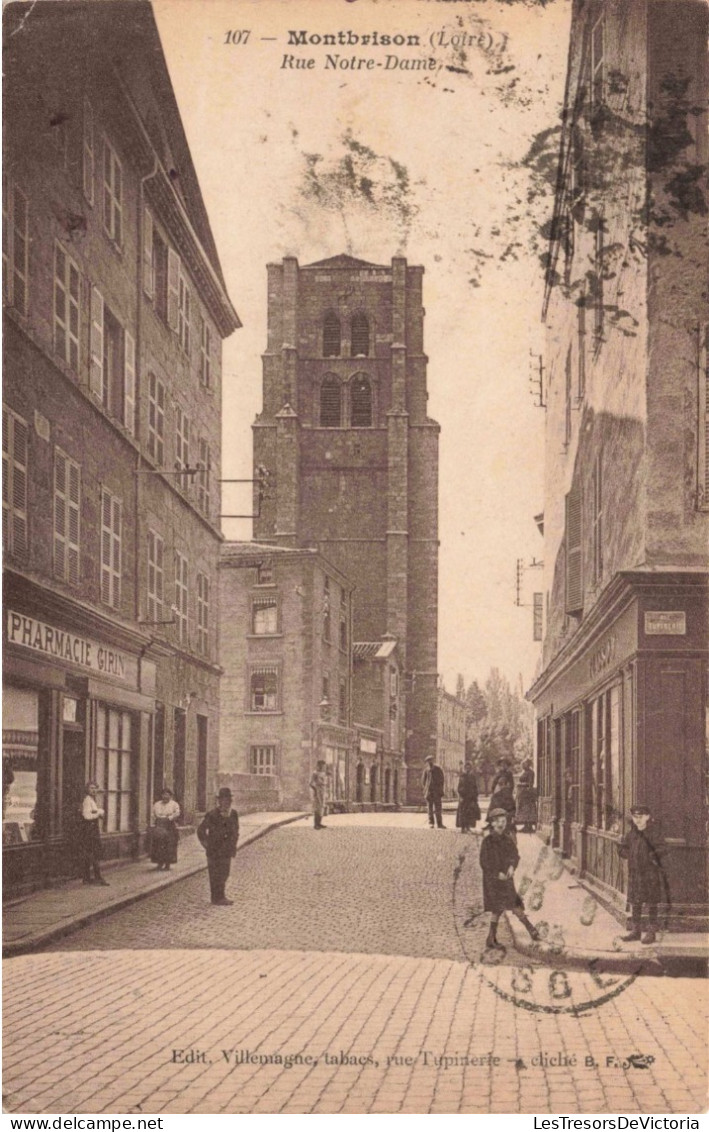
{"type": "Point", "coordinates": [432, 785]}
{"type": "Point", "coordinates": [219, 833]}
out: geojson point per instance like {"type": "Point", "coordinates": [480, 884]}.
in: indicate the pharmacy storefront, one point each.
{"type": "Point", "coordinates": [77, 705]}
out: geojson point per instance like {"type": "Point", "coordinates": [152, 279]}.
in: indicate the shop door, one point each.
{"type": "Point", "coordinates": [73, 781]}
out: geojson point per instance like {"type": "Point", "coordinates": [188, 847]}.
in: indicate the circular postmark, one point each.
{"type": "Point", "coordinates": [569, 968]}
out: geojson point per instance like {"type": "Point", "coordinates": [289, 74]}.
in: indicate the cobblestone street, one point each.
{"type": "Point", "coordinates": [337, 983]}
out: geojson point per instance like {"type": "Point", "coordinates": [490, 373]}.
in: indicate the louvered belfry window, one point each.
{"type": "Point", "coordinates": [331, 335]}
{"type": "Point", "coordinates": [574, 555]}
{"type": "Point", "coordinates": [360, 336]}
{"type": "Point", "coordinates": [330, 403]}
{"type": "Point", "coordinates": [361, 416]}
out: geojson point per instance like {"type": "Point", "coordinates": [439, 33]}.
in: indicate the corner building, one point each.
{"type": "Point", "coordinates": [114, 308]}
{"type": "Point", "coordinates": [621, 700]}
{"type": "Point", "coordinates": [352, 457]}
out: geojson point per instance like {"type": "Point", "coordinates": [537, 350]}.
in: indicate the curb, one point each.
{"type": "Point", "coordinates": [59, 931]}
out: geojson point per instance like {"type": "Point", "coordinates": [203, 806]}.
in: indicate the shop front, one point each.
{"type": "Point", "coordinates": [78, 698]}
{"type": "Point", "coordinates": [621, 719]}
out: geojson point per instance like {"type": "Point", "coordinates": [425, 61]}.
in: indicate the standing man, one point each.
{"type": "Point", "coordinates": [317, 793]}
{"type": "Point", "coordinates": [219, 833]}
{"type": "Point", "coordinates": [433, 784]}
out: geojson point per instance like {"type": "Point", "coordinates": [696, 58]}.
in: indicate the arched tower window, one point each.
{"type": "Point", "coordinates": [330, 403]}
{"type": "Point", "coordinates": [361, 402]}
{"type": "Point", "coordinates": [359, 336]}
{"type": "Point", "coordinates": [331, 335]}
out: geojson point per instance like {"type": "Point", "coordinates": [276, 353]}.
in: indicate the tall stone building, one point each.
{"type": "Point", "coordinates": [352, 457]}
{"type": "Point", "coordinates": [622, 697]}
{"type": "Point", "coordinates": [114, 308]}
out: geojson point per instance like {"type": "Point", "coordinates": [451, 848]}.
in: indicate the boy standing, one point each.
{"type": "Point", "coordinates": [219, 833]}
{"type": "Point", "coordinates": [641, 848]}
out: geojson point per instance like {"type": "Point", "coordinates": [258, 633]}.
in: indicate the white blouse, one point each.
{"type": "Point", "coordinates": [169, 809]}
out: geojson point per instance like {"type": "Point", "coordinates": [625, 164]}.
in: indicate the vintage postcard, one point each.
{"type": "Point", "coordinates": [355, 552]}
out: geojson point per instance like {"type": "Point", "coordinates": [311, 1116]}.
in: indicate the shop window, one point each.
{"type": "Point", "coordinates": [203, 614]}
{"type": "Point", "coordinates": [114, 766]}
{"type": "Point", "coordinates": [263, 760]}
{"type": "Point", "coordinates": [15, 246]}
{"type": "Point", "coordinates": [265, 617]}
{"type": "Point", "coordinates": [20, 754]}
{"type": "Point", "coordinates": [112, 194]}
{"type": "Point", "coordinates": [330, 403]}
{"type": "Point", "coordinates": [67, 306]}
{"type": "Point", "coordinates": [613, 809]}
{"type": "Point", "coordinates": [67, 508]}
{"type": "Point", "coordinates": [156, 420]}
{"type": "Point", "coordinates": [15, 441]}
{"type": "Point", "coordinates": [359, 344]}
{"type": "Point", "coordinates": [111, 540]}
{"type": "Point", "coordinates": [264, 689]}
{"type": "Point", "coordinates": [202, 748]}
{"type": "Point", "coordinates": [361, 407]}
{"type": "Point", "coordinates": [331, 335]}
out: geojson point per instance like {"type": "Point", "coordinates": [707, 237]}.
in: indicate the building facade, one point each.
{"type": "Point", "coordinates": [450, 748]}
{"type": "Point", "coordinates": [113, 315]}
{"type": "Point", "coordinates": [352, 457]}
{"type": "Point", "coordinates": [621, 700]}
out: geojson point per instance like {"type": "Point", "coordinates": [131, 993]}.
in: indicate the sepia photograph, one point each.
{"type": "Point", "coordinates": [356, 482]}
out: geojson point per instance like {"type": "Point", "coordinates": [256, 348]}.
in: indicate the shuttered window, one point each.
{"type": "Point", "coordinates": [67, 300]}
{"type": "Point", "coordinates": [156, 577]}
{"type": "Point", "coordinates": [129, 382]}
{"type": "Point", "coordinates": [89, 153]}
{"type": "Point", "coordinates": [331, 336]}
{"type": "Point", "coordinates": [361, 411]}
{"type": "Point", "coordinates": [183, 313]}
{"type": "Point", "coordinates": [156, 419]}
{"type": "Point", "coordinates": [15, 246]}
{"type": "Point", "coordinates": [148, 254]}
{"type": "Point", "coordinates": [203, 614]}
{"type": "Point", "coordinates": [359, 336]}
{"type": "Point", "coordinates": [574, 560]}
{"type": "Point", "coordinates": [330, 403]}
{"type": "Point", "coordinates": [182, 444]}
{"type": "Point", "coordinates": [703, 421]}
{"type": "Point", "coordinates": [67, 514]}
{"type": "Point", "coordinates": [597, 519]}
{"type": "Point", "coordinates": [111, 537]}
{"type": "Point", "coordinates": [205, 355]}
{"type": "Point", "coordinates": [112, 194]}
{"type": "Point", "coordinates": [15, 441]}
{"type": "Point", "coordinates": [181, 598]}
{"type": "Point", "coordinates": [204, 478]}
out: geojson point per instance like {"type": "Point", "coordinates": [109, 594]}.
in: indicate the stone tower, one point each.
{"type": "Point", "coordinates": [352, 457]}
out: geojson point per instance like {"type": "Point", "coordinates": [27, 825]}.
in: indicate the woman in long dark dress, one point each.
{"type": "Point", "coordinates": [468, 812]}
{"type": "Point", "coordinates": [498, 860]}
{"type": "Point", "coordinates": [527, 799]}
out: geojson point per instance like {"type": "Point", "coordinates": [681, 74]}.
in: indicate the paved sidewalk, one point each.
{"type": "Point", "coordinates": [576, 927]}
{"type": "Point", "coordinates": [48, 914]}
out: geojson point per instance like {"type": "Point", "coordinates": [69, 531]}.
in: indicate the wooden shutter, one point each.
{"type": "Point", "coordinates": [89, 158]}
{"type": "Point", "coordinates": [129, 383]}
{"type": "Point", "coordinates": [96, 349]}
{"type": "Point", "coordinates": [148, 268]}
{"type": "Point", "coordinates": [106, 548]}
{"type": "Point", "coordinates": [73, 515]}
{"type": "Point", "coordinates": [60, 516]}
{"type": "Point", "coordinates": [574, 559]}
{"type": "Point", "coordinates": [703, 421]}
{"type": "Point", "coordinates": [116, 551]}
{"type": "Point", "coordinates": [173, 288]}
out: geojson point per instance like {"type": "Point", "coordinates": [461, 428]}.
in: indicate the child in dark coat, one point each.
{"type": "Point", "coordinates": [642, 848]}
{"type": "Point", "coordinates": [498, 860]}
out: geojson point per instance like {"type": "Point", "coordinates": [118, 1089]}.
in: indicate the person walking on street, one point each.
{"type": "Point", "coordinates": [642, 848]}
{"type": "Point", "coordinates": [498, 860]}
{"type": "Point", "coordinates": [219, 833]}
{"type": "Point", "coordinates": [91, 814]}
{"type": "Point", "coordinates": [468, 809]}
{"type": "Point", "coordinates": [317, 793]}
{"type": "Point", "coordinates": [165, 836]}
{"type": "Point", "coordinates": [433, 785]}
{"type": "Point", "coordinates": [526, 799]}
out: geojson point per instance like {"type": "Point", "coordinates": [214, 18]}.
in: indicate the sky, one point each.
{"type": "Point", "coordinates": [396, 160]}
